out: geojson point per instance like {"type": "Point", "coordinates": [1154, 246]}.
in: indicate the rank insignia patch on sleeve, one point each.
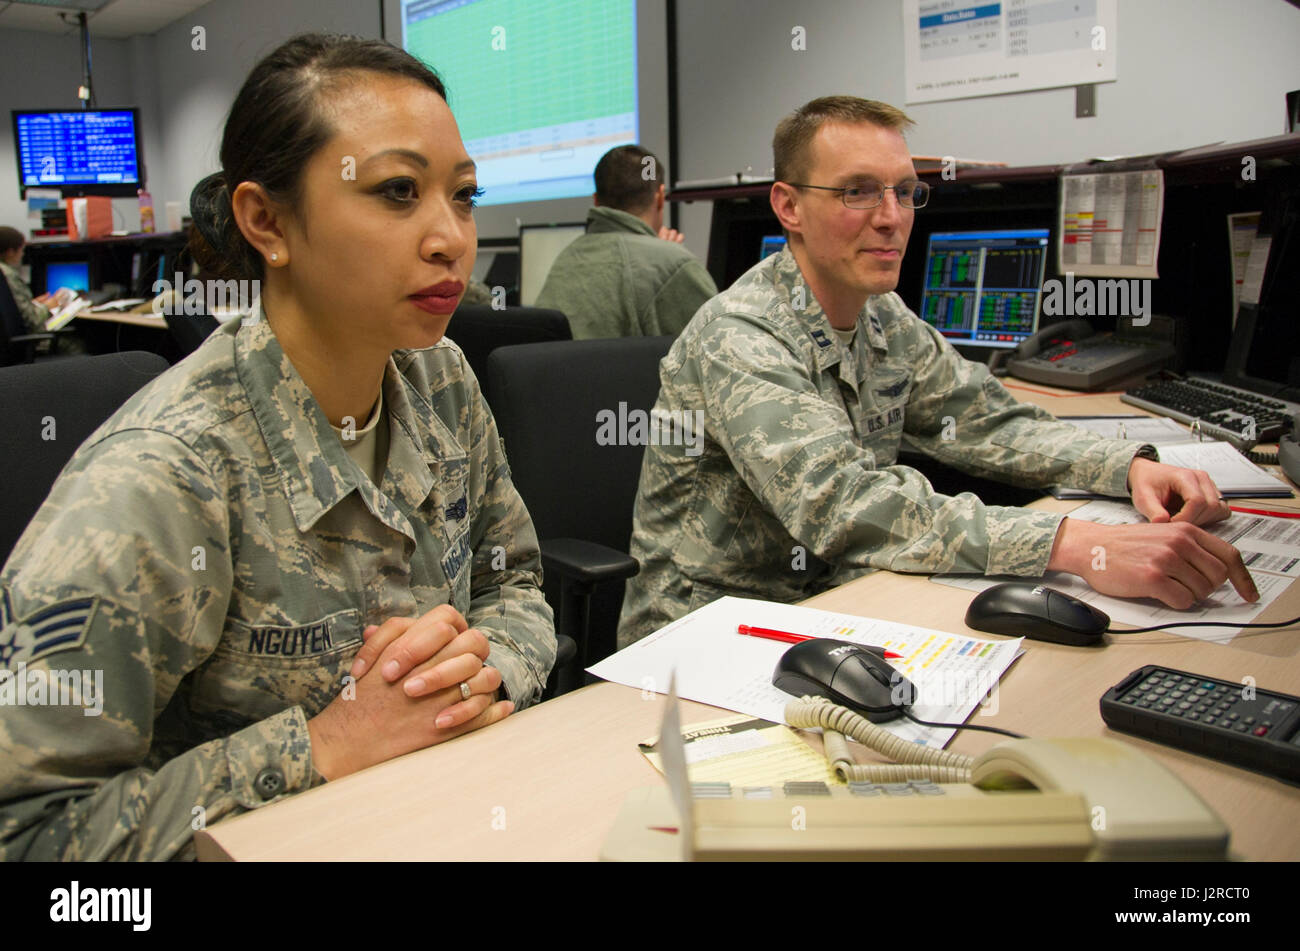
{"type": "Point", "coordinates": [48, 630]}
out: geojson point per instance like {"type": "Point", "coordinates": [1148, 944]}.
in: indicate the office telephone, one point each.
{"type": "Point", "coordinates": [1071, 355]}
{"type": "Point", "coordinates": [1034, 799]}
{"type": "Point", "coordinates": [1288, 451]}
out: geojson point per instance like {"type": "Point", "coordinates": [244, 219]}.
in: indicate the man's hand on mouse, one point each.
{"type": "Point", "coordinates": [1172, 494]}
{"type": "Point", "coordinates": [1175, 562]}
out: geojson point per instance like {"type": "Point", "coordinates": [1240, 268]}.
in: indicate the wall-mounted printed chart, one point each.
{"type": "Point", "coordinates": [956, 49]}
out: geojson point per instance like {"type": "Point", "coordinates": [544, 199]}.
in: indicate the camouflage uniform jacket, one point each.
{"type": "Point", "coordinates": [34, 314]}
{"type": "Point", "coordinates": [213, 550]}
{"type": "Point", "coordinates": [794, 487]}
{"type": "Point", "coordinates": [620, 279]}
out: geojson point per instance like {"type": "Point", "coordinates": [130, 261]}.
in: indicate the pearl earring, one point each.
{"type": "Point", "coordinates": [274, 256]}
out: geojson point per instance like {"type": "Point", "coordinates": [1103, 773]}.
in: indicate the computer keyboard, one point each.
{"type": "Point", "coordinates": [1224, 412]}
{"type": "Point", "coordinates": [102, 296]}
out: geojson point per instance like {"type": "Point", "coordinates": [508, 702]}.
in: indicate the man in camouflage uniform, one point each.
{"type": "Point", "coordinates": [809, 372]}
{"type": "Point", "coordinates": [216, 553]}
{"type": "Point", "coordinates": [628, 276]}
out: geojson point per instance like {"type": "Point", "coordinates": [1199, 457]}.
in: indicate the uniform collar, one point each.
{"type": "Point", "coordinates": [316, 471]}
{"type": "Point", "coordinates": [812, 319]}
{"type": "Point", "coordinates": [604, 220]}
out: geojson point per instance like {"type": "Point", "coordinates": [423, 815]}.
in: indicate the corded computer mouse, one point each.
{"type": "Point", "coordinates": [1024, 609]}
{"type": "Point", "coordinates": [845, 673]}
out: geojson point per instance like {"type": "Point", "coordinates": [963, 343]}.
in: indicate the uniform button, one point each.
{"type": "Point", "coordinates": [269, 783]}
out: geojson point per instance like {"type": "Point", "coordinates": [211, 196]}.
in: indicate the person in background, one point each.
{"type": "Point", "coordinates": [298, 552]}
{"type": "Point", "coordinates": [35, 311]}
{"type": "Point", "coordinates": [628, 275]}
{"type": "Point", "coordinates": [808, 373]}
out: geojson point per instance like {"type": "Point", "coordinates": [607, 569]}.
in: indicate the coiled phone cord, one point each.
{"type": "Point", "coordinates": [913, 760]}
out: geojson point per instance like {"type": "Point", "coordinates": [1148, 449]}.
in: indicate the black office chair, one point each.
{"type": "Point", "coordinates": [17, 345]}
{"type": "Point", "coordinates": [79, 393]}
{"type": "Point", "coordinates": [546, 397]}
{"type": "Point", "coordinates": [190, 330]}
{"type": "Point", "coordinates": [479, 329]}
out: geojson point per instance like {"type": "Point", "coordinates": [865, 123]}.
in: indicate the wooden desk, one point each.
{"type": "Point", "coordinates": [546, 783]}
{"type": "Point", "coordinates": [134, 318]}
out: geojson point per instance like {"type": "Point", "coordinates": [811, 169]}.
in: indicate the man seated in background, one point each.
{"type": "Point", "coordinates": [628, 275]}
{"type": "Point", "coordinates": [807, 374]}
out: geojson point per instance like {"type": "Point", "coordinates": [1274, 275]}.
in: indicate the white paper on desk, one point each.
{"type": "Point", "coordinates": [1156, 430]}
{"type": "Point", "coordinates": [1230, 470]}
{"type": "Point", "coordinates": [715, 665]}
{"type": "Point", "coordinates": [672, 754]}
{"type": "Point", "coordinates": [1269, 546]}
{"type": "Point", "coordinates": [1233, 473]}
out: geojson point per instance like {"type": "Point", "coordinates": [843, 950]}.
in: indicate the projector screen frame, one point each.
{"type": "Point", "coordinates": [656, 49]}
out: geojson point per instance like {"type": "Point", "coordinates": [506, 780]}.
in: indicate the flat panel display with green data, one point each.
{"type": "Point", "coordinates": [541, 90]}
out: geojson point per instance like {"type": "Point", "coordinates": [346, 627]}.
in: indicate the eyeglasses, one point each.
{"type": "Point", "coordinates": [868, 194]}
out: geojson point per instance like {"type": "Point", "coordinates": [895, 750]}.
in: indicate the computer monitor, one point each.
{"type": "Point", "coordinates": [983, 288]}
{"type": "Point", "coordinates": [772, 244]}
{"type": "Point", "coordinates": [79, 151]}
{"type": "Point", "coordinates": [539, 246]}
{"type": "Point", "coordinates": [73, 274]}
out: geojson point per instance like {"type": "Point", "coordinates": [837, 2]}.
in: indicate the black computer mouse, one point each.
{"type": "Point", "coordinates": [845, 673]}
{"type": "Point", "coordinates": [1025, 609]}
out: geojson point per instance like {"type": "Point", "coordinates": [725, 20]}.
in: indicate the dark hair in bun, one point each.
{"type": "Point", "coordinates": [275, 126]}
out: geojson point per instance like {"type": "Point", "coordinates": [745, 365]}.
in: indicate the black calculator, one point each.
{"type": "Point", "coordinates": [1236, 723]}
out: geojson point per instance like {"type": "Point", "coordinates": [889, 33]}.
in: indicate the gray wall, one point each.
{"type": "Point", "coordinates": [43, 71]}
{"type": "Point", "coordinates": [1190, 72]}
{"type": "Point", "coordinates": [195, 88]}
{"type": "Point", "coordinates": [183, 93]}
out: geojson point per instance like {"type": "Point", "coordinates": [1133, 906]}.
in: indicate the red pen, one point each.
{"type": "Point", "coordinates": [1238, 508]}
{"type": "Point", "coordinates": [788, 638]}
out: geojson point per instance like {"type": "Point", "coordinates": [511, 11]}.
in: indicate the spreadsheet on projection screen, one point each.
{"type": "Point", "coordinates": [540, 90]}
